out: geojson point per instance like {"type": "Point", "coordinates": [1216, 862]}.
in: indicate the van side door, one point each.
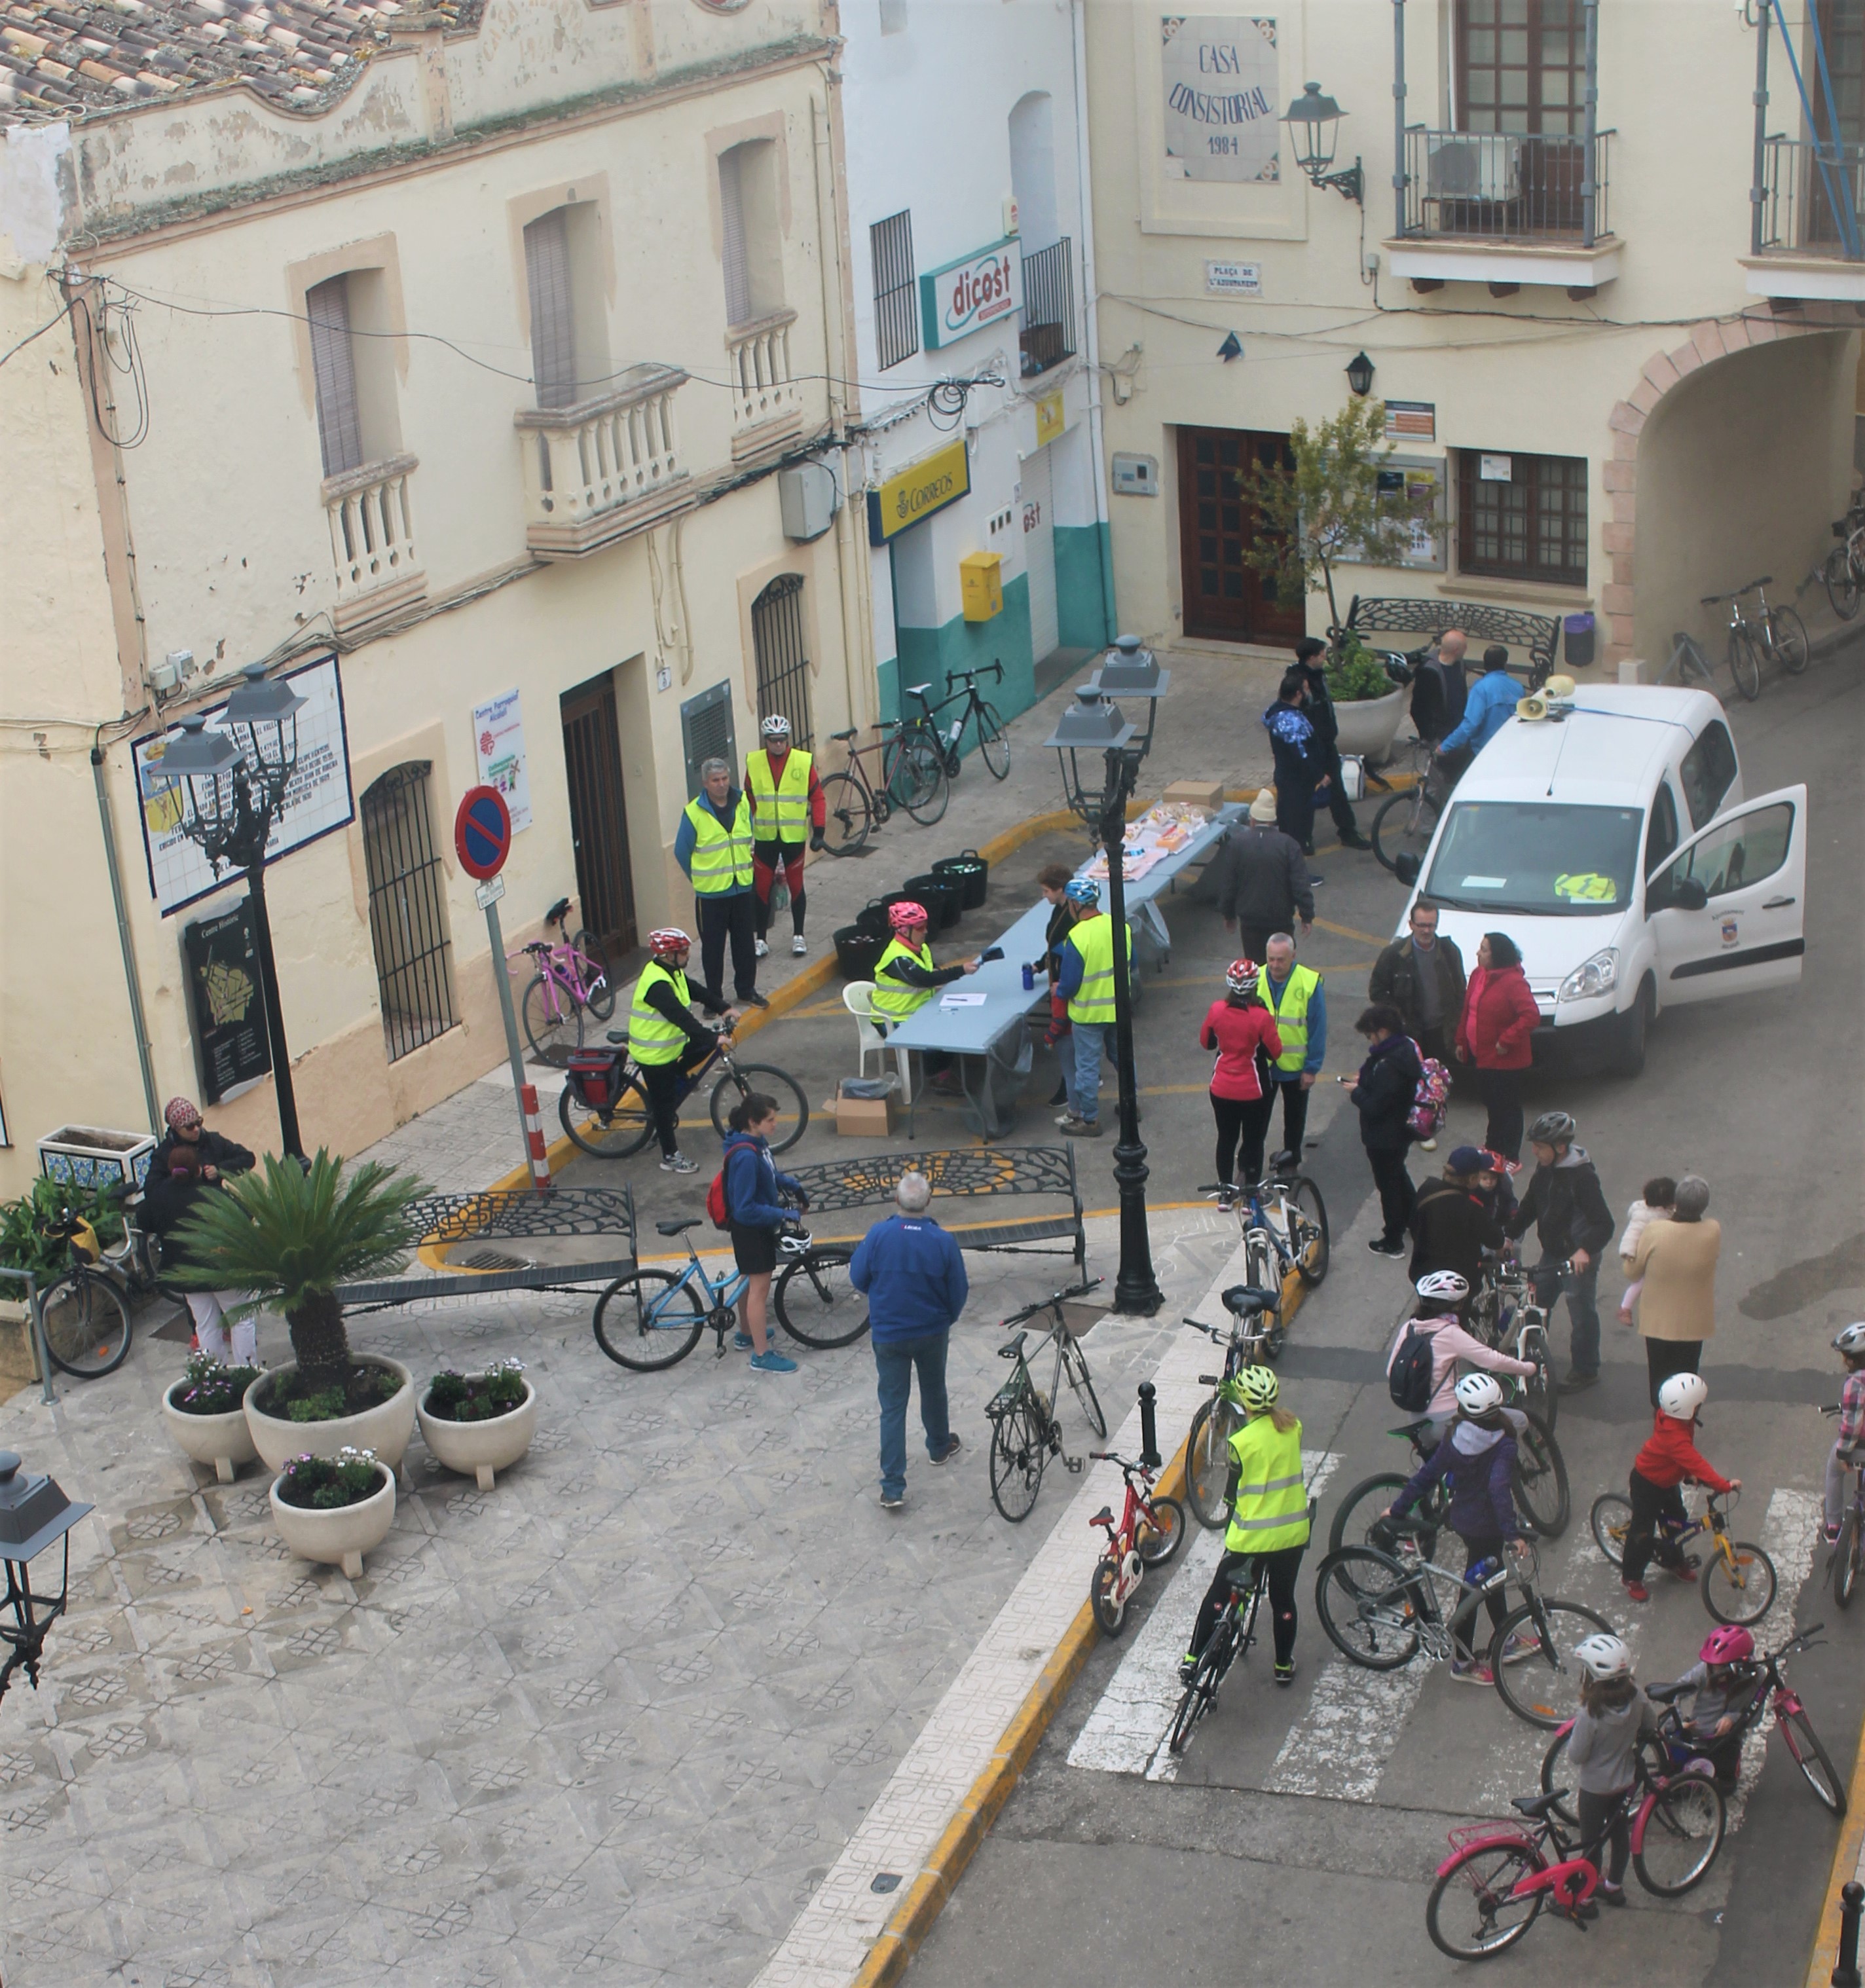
{"type": "Point", "coordinates": [1728, 911]}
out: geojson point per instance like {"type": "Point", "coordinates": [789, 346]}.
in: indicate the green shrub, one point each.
{"type": "Point", "coordinates": [1357, 676]}
{"type": "Point", "coordinates": [23, 1241]}
{"type": "Point", "coordinates": [477, 1398]}
{"type": "Point", "coordinates": [328, 1484]}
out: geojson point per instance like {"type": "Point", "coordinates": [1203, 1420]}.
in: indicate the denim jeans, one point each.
{"type": "Point", "coordinates": [895, 1362]}
{"type": "Point", "coordinates": [1580, 1288]}
{"type": "Point", "coordinates": [1089, 1042]}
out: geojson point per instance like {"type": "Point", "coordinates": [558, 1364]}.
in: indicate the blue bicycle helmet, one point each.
{"type": "Point", "coordinates": [1083, 891]}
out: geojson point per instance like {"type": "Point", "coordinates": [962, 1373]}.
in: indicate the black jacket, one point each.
{"type": "Point", "coordinates": [1320, 708]}
{"type": "Point", "coordinates": [1440, 691]}
{"type": "Point", "coordinates": [1395, 978]}
{"type": "Point", "coordinates": [214, 1148]}
{"type": "Point", "coordinates": [1263, 877]}
{"type": "Point", "coordinates": [1566, 1207]}
{"type": "Point", "coordinates": [1451, 1229]}
{"type": "Point", "coordinates": [1383, 1093]}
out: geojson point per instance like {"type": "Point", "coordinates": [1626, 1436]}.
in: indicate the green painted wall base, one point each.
{"type": "Point", "coordinates": [927, 653]}
{"type": "Point", "coordinates": [1083, 591]}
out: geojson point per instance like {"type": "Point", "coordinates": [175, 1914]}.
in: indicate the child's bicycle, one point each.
{"type": "Point", "coordinates": [1254, 1337]}
{"type": "Point", "coordinates": [604, 1105]}
{"type": "Point", "coordinates": [652, 1319]}
{"type": "Point", "coordinates": [1846, 1559]}
{"type": "Point", "coordinates": [1738, 1579]}
{"type": "Point", "coordinates": [572, 976]}
{"type": "Point", "coordinates": [1149, 1530]}
{"type": "Point", "coordinates": [1025, 1432]}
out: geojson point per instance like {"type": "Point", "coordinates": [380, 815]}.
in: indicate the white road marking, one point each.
{"type": "Point", "coordinates": [1788, 1535]}
{"type": "Point", "coordinates": [1341, 1744]}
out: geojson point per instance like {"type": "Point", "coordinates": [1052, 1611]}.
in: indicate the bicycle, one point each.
{"type": "Point", "coordinates": [1254, 1337]}
{"type": "Point", "coordinates": [571, 975]}
{"type": "Point", "coordinates": [1025, 1432]}
{"type": "Point", "coordinates": [1506, 1303]}
{"type": "Point", "coordinates": [1737, 1582]}
{"type": "Point", "coordinates": [1379, 1609]}
{"type": "Point", "coordinates": [1773, 634]}
{"type": "Point", "coordinates": [603, 1106]}
{"type": "Point", "coordinates": [1407, 821]}
{"type": "Point", "coordinates": [1847, 1557]}
{"type": "Point", "coordinates": [1149, 1532]}
{"type": "Point", "coordinates": [1285, 1224]}
{"type": "Point", "coordinates": [1844, 567]}
{"type": "Point", "coordinates": [993, 747]}
{"type": "Point", "coordinates": [912, 777]}
{"type": "Point", "coordinates": [86, 1312]}
{"type": "Point", "coordinates": [658, 1316]}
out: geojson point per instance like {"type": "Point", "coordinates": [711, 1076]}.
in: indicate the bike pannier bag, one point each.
{"type": "Point", "coordinates": [591, 1077]}
{"type": "Point", "coordinates": [1409, 1377]}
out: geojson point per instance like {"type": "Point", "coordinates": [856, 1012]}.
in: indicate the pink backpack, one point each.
{"type": "Point", "coordinates": [1430, 1099]}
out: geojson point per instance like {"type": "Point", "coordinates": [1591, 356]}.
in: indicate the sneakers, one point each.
{"type": "Point", "coordinates": [1427, 1145]}
{"type": "Point", "coordinates": [1471, 1673]}
{"type": "Point", "coordinates": [677, 1163]}
{"type": "Point", "coordinates": [1080, 1128]}
{"type": "Point", "coordinates": [741, 1342]}
{"type": "Point", "coordinates": [1380, 1247]}
{"type": "Point", "coordinates": [1227, 1199]}
{"type": "Point", "coordinates": [772, 1362]}
{"type": "Point", "coordinates": [1355, 840]}
{"type": "Point", "coordinates": [893, 1501]}
{"type": "Point", "coordinates": [1833, 1533]}
{"type": "Point", "coordinates": [799, 946]}
{"type": "Point", "coordinates": [761, 949]}
{"type": "Point", "coordinates": [1684, 1570]}
{"type": "Point", "coordinates": [1636, 1590]}
{"type": "Point", "coordinates": [951, 1448]}
{"type": "Point", "coordinates": [1575, 1382]}
{"type": "Point", "coordinates": [1519, 1648]}
{"type": "Point", "coordinates": [1285, 1673]}
{"type": "Point", "coordinates": [1612, 1895]}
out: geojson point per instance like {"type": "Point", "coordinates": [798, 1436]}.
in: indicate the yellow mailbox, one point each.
{"type": "Point", "coordinates": [981, 583]}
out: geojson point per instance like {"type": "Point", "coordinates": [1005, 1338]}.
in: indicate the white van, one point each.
{"type": "Point", "coordinates": [1613, 845]}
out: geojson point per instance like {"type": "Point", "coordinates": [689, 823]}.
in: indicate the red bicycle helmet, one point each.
{"type": "Point", "coordinates": [904, 915]}
{"type": "Point", "coordinates": [667, 941]}
{"type": "Point", "coordinates": [1240, 976]}
{"type": "Point", "coordinates": [1728, 1645]}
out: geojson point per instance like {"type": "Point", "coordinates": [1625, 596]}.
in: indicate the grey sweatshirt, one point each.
{"type": "Point", "coordinates": [1601, 1747]}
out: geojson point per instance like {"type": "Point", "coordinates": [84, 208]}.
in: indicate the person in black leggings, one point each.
{"type": "Point", "coordinates": [1242, 1033]}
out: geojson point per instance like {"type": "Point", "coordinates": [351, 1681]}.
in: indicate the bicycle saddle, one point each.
{"type": "Point", "coordinates": [1016, 1346]}
{"type": "Point", "coordinates": [678, 1227]}
{"type": "Point", "coordinates": [618, 1035]}
{"type": "Point", "coordinates": [1413, 1430]}
{"type": "Point", "coordinates": [1103, 1517]}
{"type": "Point", "coordinates": [1241, 1299]}
{"type": "Point", "coordinates": [557, 912]}
{"type": "Point", "coordinates": [918, 690]}
{"type": "Point", "coordinates": [848, 733]}
{"type": "Point", "coordinates": [1537, 1806]}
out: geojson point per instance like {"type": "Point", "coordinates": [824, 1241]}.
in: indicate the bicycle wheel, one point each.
{"type": "Point", "coordinates": [601, 1003]}
{"type": "Point", "coordinates": [1162, 1530]}
{"type": "Point", "coordinates": [1103, 1584]}
{"type": "Point", "coordinates": [1611, 1519]}
{"type": "Point", "coordinates": [1842, 581]}
{"type": "Point", "coordinates": [649, 1319]}
{"type": "Point", "coordinates": [1365, 1604]}
{"type": "Point", "coordinates": [1745, 663]}
{"type": "Point", "coordinates": [1813, 1759]}
{"type": "Point", "coordinates": [614, 1134]}
{"type": "Point", "coordinates": [1846, 1556]}
{"type": "Point", "coordinates": [1790, 640]}
{"type": "Point", "coordinates": [1308, 1230]}
{"type": "Point", "coordinates": [1201, 1694]}
{"type": "Point", "coordinates": [1743, 1593]}
{"type": "Point", "coordinates": [742, 1079]}
{"type": "Point", "coordinates": [1362, 1508]}
{"type": "Point", "coordinates": [1404, 826]}
{"type": "Point", "coordinates": [1543, 1687]}
{"type": "Point", "coordinates": [1541, 1494]}
{"type": "Point", "coordinates": [845, 827]}
{"type": "Point", "coordinates": [553, 1022]}
{"type": "Point", "coordinates": [994, 748]}
{"type": "Point", "coordinates": [1556, 1774]}
{"type": "Point", "coordinates": [1682, 1833]}
{"type": "Point", "coordinates": [1472, 1911]}
{"type": "Point", "coordinates": [1207, 1461]}
{"type": "Point", "coordinates": [816, 1302]}
{"type": "Point", "coordinates": [1074, 1365]}
{"type": "Point", "coordinates": [1019, 1448]}
{"type": "Point", "coordinates": [914, 775]}
{"type": "Point", "coordinates": [87, 1325]}
{"type": "Point", "coordinates": [1539, 1394]}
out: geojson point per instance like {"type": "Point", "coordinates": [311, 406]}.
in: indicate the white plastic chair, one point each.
{"type": "Point", "coordinates": [857, 997]}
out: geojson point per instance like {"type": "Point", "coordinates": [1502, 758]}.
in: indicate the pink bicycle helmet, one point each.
{"type": "Point", "coordinates": [904, 916]}
{"type": "Point", "coordinates": [1727, 1646]}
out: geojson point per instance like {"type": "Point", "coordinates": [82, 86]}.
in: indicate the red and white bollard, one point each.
{"type": "Point", "coordinates": [534, 1139]}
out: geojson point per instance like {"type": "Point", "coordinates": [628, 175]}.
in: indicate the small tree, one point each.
{"type": "Point", "coordinates": [1329, 507]}
{"type": "Point", "coordinates": [290, 1236]}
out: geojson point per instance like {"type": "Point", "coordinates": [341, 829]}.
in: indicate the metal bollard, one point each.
{"type": "Point", "coordinates": [1846, 1969]}
{"type": "Point", "coordinates": [1150, 1456]}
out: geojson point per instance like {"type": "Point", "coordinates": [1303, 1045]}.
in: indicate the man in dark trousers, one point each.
{"type": "Point", "coordinates": [1262, 879]}
{"type": "Point", "coordinates": [1311, 659]}
{"type": "Point", "coordinates": [714, 846]}
{"type": "Point", "coordinates": [1298, 759]}
{"type": "Point", "coordinates": [1421, 975]}
{"type": "Point", "coordinates": [1566, 1207]}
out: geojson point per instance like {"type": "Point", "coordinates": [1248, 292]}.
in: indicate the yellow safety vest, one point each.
{"type": "Point", "coordinates": [722, 856]}
{"type": "Point", "coordinates": [1093, 939]}
{"type": "Point", "coordinates": [893, 1001]}
{"type": "Point", "coordinates": [784, 802]}
{"type": "Point", "coordinates": [651, 1037]}
{"type": "Point", "coordinates": [1270, 1509]}
{"type": "Point", "coordinates": [1292, 1012]}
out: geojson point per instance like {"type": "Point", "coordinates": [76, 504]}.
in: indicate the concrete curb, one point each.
{"type": "Point", "coordinates": [1844, 1868]}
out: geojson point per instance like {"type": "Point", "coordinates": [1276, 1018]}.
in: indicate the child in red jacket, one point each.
{"type": "Point", "coordinates": [1669, 1458]}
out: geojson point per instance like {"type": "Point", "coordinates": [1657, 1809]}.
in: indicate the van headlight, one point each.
{"type": "Point", "coordinates": [1597, 976]}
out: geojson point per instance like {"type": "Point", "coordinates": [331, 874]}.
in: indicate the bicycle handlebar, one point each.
{"type": "Point", "coordinates": [1055, 1298]}
{"type": "Point", "coordinates": [973, 675]}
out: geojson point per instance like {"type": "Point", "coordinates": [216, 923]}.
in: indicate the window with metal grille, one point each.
{"type": "Point", "coordinates": [553, 340]}
{"type": "Point", "coordinates": [896, 305]}
{"type": "Point", "coordinates": [736, 250]}
{"type": "Point", "coordinates": [705, 731]}
{"type": "Point", "coordinates": [340, 422]}
{"type": "Point", "coordinates": [1530, 525]}
{"type": "Point", "coordinates": [1521, 64]}
{"type": "Point", "coordinates": [408, 909]}
{"type": "Point", "coordinates": [783, 668]}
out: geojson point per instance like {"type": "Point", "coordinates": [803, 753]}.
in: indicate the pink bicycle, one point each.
{"type": "Point", "coordinates": [572, 976]}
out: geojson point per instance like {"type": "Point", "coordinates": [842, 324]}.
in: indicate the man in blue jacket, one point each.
{"type": "Point", "coordinates": [915, 1279]}
{"type": "Point", "coordinates": [1491, 704]}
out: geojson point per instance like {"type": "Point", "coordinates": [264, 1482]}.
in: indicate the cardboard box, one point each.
{"type": "Point", "coordinates": [1205, 794]}
{"type": "Point", "coordinates": [864, 1117]}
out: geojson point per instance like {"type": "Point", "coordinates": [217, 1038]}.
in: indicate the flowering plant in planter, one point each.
{"type": "Point", "coordinates": [210, 1386]}
{"type": "Point", "coordinates": [477, 1398]}
{"type": "Point", "coordinates": [328, 1484]}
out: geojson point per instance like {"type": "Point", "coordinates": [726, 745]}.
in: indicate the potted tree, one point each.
{"type": "Point", "coordinates": [478, 1423]}
{"type": "Point", "coordinates": [290, 1234]}
{"type": "Point", "coordinates": [334, 1509]}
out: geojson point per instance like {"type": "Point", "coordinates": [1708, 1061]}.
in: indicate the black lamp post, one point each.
{"type": "Point", "coordinates": [1314, 122]}
{"type": "Point", "coordinates": [234, 784]}
{"type": "Point", "coordinates": [34, 1513]}
{"type": "Point", "coordinates": [1093, 725]}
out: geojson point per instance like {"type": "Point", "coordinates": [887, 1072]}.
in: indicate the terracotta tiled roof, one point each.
{"type": "Point", "coordinates": [91, 57]}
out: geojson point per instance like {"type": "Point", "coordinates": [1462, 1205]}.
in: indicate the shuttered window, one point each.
{"type": "Point", "coordinates": [896, 308]}
{"type": "Point", "coordinates": [340, 426]}
{"type": "Point", "coordinates": [553, 344]}
{"type": "Point", "coordinates": [1529, 524]}
{"type": "Point", "coordinates": [737, 255]}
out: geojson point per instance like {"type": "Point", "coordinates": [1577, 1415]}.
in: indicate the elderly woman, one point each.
{"type": "Point", "coordinates": [1677, 1260]}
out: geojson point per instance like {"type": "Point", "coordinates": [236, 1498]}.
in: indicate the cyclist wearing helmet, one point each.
{"type": "Point", "coordinates": [1085, 981]}
{"type": "Point", "coordinates": [1566, 1207]}
{"type": "Point", "coordinates": [664, 1040]}
{"type": "Point", "coordinates": [1723, 1679]}
{"type": "Point", "coordinates": [713, 847]}
{"type": "Point", "coordinates": [1668, 1459]}
{"type": "Point", "coordinates": [1269, 1518]}
{"type": "Point", "coordinates": [1450, 1227]}
{"type": "Point", "coordinates": [905, 980]}
{"type": "Point", "coordinates": [1481, 1446]}
{"type": "Point", "coordinates": [1242, 1032]}
{"type": "Point", "coordinates": [787, 808]}
{"type": "Point", "coordinates": [1442, 1294]}
{"type": "Point", "coordinates": [1849, 1344]}
{"type": "Point", "coordinates": [1602, 1752]}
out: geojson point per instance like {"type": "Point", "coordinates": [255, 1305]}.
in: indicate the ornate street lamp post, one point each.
{"type": "Point", "coordinates": [34, 1513]}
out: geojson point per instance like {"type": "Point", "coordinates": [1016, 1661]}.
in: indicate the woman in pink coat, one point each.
{"type": "Point", "coordinates": [1494, 1032]}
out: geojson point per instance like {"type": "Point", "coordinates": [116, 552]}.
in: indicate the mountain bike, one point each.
{"type": "Point", "coordinates": [1252, 1338]}
{"type": "Point", "coordinates": [1379, 1609]}
{"type": "Point", "coordinates": [1407, 821]}
{"type": "Point", "coordinates": [1149, 1532]}
{"type": "Point", "coordinates": [912, 777]}
{"type": "Point", "coordinates": [651, 1320]}
{"type": "Point", "coordinates": [1738, 1579]}
{"type": "Point", "coordinates": [86, 1313]}
{"type": "Point", "coordinates": [1231, 1637]}
{"type": "Point", "coordinates": [604, 1105]}
{"type": "Point", "coordinates": [572, 975]}
{"type": "Point", "coordinates": [1771, 634]}
{"type": "Point", "coordinates": [1025, 1432]}
{"type": "Point", "coordinates": [993, 747]}
{"type": "Point", "coordinates": [1847, 1557]}
{"type": "Point", "coordinates": [1506, 1312]}
{"type": "Point", "coordinates": [1284, 1224]}
{"type": "Point", "coordinates": [1844, 567]}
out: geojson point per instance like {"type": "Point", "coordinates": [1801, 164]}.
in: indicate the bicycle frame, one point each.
{"type": "Point", "coordinates": [719, 1298]}
{"type": "Point", "coordinates": [1123, 1533]}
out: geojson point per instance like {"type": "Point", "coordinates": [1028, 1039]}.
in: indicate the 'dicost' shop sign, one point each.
{"type": "Point", "coordinates": [966, 296]}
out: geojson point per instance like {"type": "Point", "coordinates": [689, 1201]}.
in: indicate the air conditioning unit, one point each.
{"type": "Point", "coordinates": [1475, 165]}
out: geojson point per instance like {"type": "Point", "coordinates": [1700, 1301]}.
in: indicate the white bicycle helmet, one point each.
{"type": "Point", "coordinates": [1479, 1393]}
{"type": "Point", "coordinates": [1850, 1339]}
{"type": "Point", "coordinates": [1682, 1395]}
{"type": "Point", "coordinates": [1605, 1657]}
{"type": "Point", "coordinates": [1445, 1284]}
{"type": "Point", "coordinates": [1259, 1388]}
{"type": "Point", "coordinates": [775, 726]}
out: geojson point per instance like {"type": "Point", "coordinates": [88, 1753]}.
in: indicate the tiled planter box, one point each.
{"type": "Point", "coordinates": [94, 1156]}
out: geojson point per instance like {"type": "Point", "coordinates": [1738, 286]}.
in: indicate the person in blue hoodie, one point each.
{"type": "Point", "coordinates": [915, 1278]}
{"type": "Point", "coordinates": [756, 1216]}
{"type": "Point", "coordinates": [1489, 706]}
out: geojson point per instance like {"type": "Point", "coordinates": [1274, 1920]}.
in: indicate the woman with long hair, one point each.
{"type": "Point", "coordinates": [1499, 1021]}
{"type": "Point", "coordinates": [1242, 1032]}
{"type": "Point", "coordinates": [757, 1215]}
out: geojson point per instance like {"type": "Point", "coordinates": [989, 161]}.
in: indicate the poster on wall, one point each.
{"type": "Point", "coordinates": [497, 745]}
{"type": "Point", "coordinates": [1222, 98]}
{"type": "Point", "coordinates": [317, 802]}
{"type": "Point", "coordinates": [1421, 481]}
{"type": "Point", "coordinates": [227, 1005]}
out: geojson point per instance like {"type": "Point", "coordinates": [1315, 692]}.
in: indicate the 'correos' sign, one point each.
{"type": "Point", "coordinates": [965, 296]}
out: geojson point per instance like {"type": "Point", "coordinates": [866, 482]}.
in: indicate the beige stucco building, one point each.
{"type": "Point", "coordinates": [1620, 389]}
{"type": "Point", "coordinates": [451, 356]}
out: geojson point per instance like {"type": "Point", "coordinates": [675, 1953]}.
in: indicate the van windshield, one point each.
{"type": "Point", "coordinates": [1537, 857]}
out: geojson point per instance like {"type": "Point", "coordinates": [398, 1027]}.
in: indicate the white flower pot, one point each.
{"type": "Point", "coordinates": [384, 1429]}
{"type": "Point", "coordinates": [224, 1441]}
{"type": "Point", "coordinates": [1367, 726]}
{"type": "Point", "coordinates": [338, 1538]}
{"type": "Point", "coordinates": [478, 1449]}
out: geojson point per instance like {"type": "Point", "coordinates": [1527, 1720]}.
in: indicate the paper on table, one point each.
{"type": "Point", "coordinates": [961, 1000]}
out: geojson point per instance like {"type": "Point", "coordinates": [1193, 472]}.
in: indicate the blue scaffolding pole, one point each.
{"type": "Point", "coordinates": [1828, 154]}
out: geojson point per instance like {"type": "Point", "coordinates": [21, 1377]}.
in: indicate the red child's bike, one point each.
{"type": "Point", "coordinates": [1149, 1530]}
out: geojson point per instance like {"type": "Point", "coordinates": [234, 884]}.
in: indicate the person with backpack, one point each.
{"type": "Point", "coordinates": [746, 1192]}
{"type": "Point", "coordinates": [1667, 1460]}
{"type": "Point", "coordinates": [1383, 1093]}
{"type": "Point", "coordinates": [1450, 1227]}
{"type": "Point", "coordinates": [1432, 1350]}
{"type": "Point", "coordinates": [1566, 1207]}
{"type": "Point", "coordinates": [1242, 1033]}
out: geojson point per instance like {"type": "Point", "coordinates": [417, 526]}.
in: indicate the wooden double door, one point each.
{"type": "Point", "coordinates": [1226, 599]}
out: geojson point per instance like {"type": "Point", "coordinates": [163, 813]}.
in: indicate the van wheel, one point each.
{"type": "Point", "coordinates": [1628, 1055]}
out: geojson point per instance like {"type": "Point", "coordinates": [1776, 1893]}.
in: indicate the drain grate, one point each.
{"type": "Point", "coordinates": [494, 1260]}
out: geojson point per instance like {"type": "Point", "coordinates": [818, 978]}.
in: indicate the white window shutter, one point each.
{"type": "Point", "coordinates": [737, 262]}
{"type": "Point", "coordinates": [340, 427]}
{"type": "Point", "coordinates": [553, 350]}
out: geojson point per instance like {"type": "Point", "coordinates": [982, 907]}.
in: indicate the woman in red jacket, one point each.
{"type": "Point", "coordinates": [1498, 1019]}
{"type": "Point", "coordinates": [1240, 1029]}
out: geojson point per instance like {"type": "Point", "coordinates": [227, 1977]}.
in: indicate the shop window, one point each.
{"type": "Point", "coordinates": [1522, 517]}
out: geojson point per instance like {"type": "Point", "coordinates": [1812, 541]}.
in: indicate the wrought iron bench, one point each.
{"type": "Point", "coordinates": [1529, 638]}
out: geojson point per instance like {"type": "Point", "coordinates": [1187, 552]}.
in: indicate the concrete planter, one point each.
{"type": "Point", "coordinates": [223, 1442]}
{"type": "Point", "coordinates": [339, 1538]}
{"type": "Point", "coordinates": [479, 1449]}
{"type": "Point", "coordinates": [1368, 726]}
{"type": "Point", "coordinates": [384, 1429]}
